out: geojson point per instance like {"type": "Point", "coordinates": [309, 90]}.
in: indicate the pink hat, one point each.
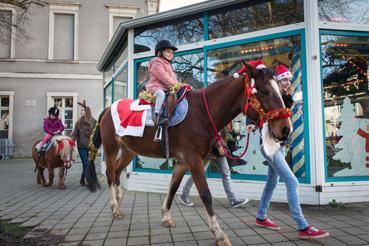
{"type": "Point", "coordinates": [257, 63]}
{"type": "Point", "coordinates": [283, 73]}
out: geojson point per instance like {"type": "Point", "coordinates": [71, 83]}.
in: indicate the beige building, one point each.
{"type": "Point", "coordinates": [55, 64]}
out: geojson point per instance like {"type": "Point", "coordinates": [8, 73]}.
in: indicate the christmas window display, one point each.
{"type": "Point", "coordinates": [224, 62]}
{"type": "Point", "coordinates": [345, 68]}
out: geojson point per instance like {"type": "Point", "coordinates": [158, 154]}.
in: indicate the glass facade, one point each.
{"type": "Point", "coordinates": [344, 11]}
{"type": "Point", "coordinates": [253, 16]}
{"type": "Point", "coordinates": [223, 62]}
{"type": "Point", "coordinates": [182, 31]}
{"type": "Point", "coordinates": [345, 69]}
{"type": "Point", "coordinates": [108, 95]}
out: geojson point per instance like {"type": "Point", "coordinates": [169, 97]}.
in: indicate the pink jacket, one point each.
{"type": "Point", "coordinates": [161, 75]}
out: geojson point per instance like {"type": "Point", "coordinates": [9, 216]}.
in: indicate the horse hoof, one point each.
{"type": "Point", "coordinates": [117, 215]}
{"type": "Point", "coordinates": [169, 223]}
{"type": "Point", "coordinates": [224, 242]}
{"type": "Point", "coordinates": [62, 187]}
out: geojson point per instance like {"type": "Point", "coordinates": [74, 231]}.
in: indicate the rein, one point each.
{"type": "Point", "coordinates": [218, 137]}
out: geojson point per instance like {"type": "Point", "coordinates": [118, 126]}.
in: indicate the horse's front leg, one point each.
{"type": "Point", "coordinates": [61, 177]}
{"type": "Point", "coordinates": [198, 176]}
{"type": "Point", "coordinates": [40, 176]}
{"type": "Point", "coordinates": [178, 172]}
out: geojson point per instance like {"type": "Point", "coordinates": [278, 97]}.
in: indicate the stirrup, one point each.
{"type": "Point", "coordinates": [159, 134]}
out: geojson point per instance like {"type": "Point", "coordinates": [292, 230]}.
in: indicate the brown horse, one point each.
{"type": "Point", "coordinates": [58, 156]}
{"type": "Point", "coordinates": [190, 140]}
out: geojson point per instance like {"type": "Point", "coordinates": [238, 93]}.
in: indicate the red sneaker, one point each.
{"type": "Point", "coordinates": [267, 223]}
{"type": "Point", "coordinates": [312, 233]}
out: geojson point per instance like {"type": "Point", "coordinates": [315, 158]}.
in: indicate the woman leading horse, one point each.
{"type": "Point", "coordinates": [190, 140]}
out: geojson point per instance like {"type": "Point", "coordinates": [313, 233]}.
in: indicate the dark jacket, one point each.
{"type": "Point", "coordinates": [81, 132]}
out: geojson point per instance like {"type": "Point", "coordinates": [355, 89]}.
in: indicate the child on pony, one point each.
{"type": "Point", "coordinates": [162, 77]}
{"type": "Point", "coordinates": [52, 125]}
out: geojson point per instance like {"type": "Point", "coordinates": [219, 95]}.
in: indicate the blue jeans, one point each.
{"type": "Point", "coordinates": [83, 154]}
{"type": "Point", "coordinates": [279, 167]}
{"type": "Point", "coordinates": [222, 164]}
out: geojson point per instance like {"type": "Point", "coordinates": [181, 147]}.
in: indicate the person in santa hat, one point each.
{"type": "Point", "coordinates": [278, 167]}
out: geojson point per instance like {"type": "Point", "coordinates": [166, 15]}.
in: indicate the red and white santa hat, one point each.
{"type": "Point", "coordinates": [283, 73]}
{"type": "Point", "coordinates": [259, 64]}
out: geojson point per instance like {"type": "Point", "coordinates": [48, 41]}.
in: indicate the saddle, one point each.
{"type": "Point", "coordinates": [175, 108]}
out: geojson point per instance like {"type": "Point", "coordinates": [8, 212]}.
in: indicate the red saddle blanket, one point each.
{"type": "Point", "coordinates": [129, 118]}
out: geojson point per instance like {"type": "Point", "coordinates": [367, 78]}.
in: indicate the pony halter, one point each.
{"type": "Point", "coordinates": [251, 100]}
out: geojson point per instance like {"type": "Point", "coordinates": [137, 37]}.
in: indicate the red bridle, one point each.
{"type": "Point", "coordinates": [251, 100]}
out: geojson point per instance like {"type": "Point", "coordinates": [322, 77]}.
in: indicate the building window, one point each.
{"type": "Point", "coordinates": [7, 31]}
{"type": "Point", "coordinates": [108, 95]}
{"type": "Point", "coordinates": [355, 12]}
{"type": "Point", "coordinates": [119, 14]}
{"type": "Point", "coordinates": [252, 16]}
{"type": "Point", "coordinates": [6, 114]}
{"type": "Point", "coordinates": [345, 78]}
{"type": "Point", "coordinates": [67, 104]}
{"type": "Point", "coordinates": [4, 117]}
{"type": "Point", "coordinates": [120, 84]}
{"type": "Point", "coordinates": [63, 31]}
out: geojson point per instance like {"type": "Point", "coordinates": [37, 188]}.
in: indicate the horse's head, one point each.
{"type": "Point", "coordinates": [65, 147]}
{"type": "Point", "coordinates": [267, 104]}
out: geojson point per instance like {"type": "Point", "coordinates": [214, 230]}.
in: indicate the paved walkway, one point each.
{"type": "Point", "coordinates": [77, 217]}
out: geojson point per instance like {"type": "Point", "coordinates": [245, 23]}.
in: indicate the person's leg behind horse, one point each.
{"type": "Point", "coordinates": [177, 176]}
{"type": "Point", "coordinates": [184, 196]}
{"type": "Point", "coordinates": [223, 167]}
{"type": "Point", "coordinates": [198, 175]}
{"type": "Point", "coordinates": [83, 154]}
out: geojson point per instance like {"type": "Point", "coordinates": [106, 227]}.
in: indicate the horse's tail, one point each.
{"type": "Point", "coordinates": [94, 144]}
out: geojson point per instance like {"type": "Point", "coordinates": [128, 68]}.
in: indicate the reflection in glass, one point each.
{"type": "Point", "coordinates": [120, 85]}
{"type": "Point", "coordinates": [252, 16]}
{"type": "Point", "coordinates": [345, 67]}
{"type": "Point", "coordinates": [189, 69]}
{"type": "Point", "coordinates": [108, 95]}
{"type": "Point", "coordinates": [108, 73]}
{"type": "Point", "coordinates": [346, 11]}
{"type": "Point", "coordinates": [183, 31]}
{"type": "Point", "coordinates": [224, 62]}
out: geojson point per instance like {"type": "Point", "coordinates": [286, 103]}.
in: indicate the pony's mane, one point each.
{"type": "Point", "coordinates": [64, 145]}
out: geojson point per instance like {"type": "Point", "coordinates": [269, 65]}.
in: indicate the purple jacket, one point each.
{"type": "Point", "coordinates": [51, 126]}
{"type": "Point", "coordinates": [162, 75]}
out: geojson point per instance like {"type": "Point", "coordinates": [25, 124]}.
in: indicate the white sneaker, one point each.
{"type": "Point", "coordinates": [185, 201]}
{"type": "Point", "coordinates": [238, 202]}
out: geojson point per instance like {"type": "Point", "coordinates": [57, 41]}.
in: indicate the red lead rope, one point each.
{"type": "Point", "coordinates": [218, 137]}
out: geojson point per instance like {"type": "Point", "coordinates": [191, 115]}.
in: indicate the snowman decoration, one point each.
{"type": "Point", "coordinates": [354, 144]}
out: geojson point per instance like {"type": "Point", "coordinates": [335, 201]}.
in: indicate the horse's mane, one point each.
{"type": "Point", "coordinates": [64, 141]}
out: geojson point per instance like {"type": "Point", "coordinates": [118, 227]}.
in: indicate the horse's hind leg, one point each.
{"type": "Point", "coordinates": [198, 176]}
{"type": "Point", "coordinates": [40, 176]}
{"type": "Point", "coordinates": [177, 176]}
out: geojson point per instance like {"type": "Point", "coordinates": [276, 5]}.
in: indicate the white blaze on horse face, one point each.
{"type": "Point", "coordinates": [276, 89]}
